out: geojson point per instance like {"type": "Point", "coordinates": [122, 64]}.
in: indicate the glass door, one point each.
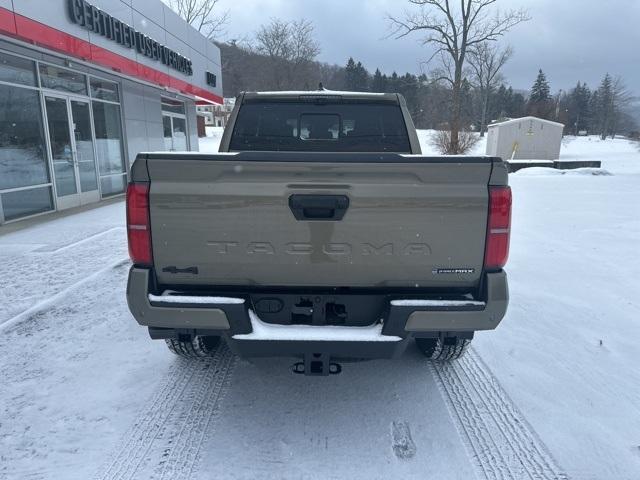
{"type": "Point", "coordinates": [85, 158]}
{"type": "Point", "coordinates": [175, 133]}
{"type": "Point", "coordinates": [62, 152]}
{"type": "Point", "coordinates": [168, 133]}
{"type": "Point", "coordinates": [180, 134]}
{"type": "Point", "coordinates": [72, 151]}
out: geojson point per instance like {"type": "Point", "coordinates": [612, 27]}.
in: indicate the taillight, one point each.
{"type": "Point", "coordinates": [138, 224]}
{"type": "Point", "coordinates": [498, 228]}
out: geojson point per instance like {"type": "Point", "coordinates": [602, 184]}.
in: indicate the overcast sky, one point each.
{"type": "Point", "coordinates": [570, 40]}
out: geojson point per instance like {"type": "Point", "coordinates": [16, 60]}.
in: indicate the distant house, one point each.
{"type": "Point", "coordinates": [527, 138]}
{"type": "Point", "coordinates": [217, 115]}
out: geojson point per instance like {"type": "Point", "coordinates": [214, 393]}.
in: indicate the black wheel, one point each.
{"type": "Point", "coordinates": [197, 347]}
{"type": "Point", "coordinates": [443, 348]}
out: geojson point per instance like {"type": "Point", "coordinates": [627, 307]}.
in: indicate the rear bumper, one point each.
{"type": "Point", "coordinates": [402, 319]}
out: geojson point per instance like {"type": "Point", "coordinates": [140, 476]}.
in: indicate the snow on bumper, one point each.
{"type": "Point", "coordinates": [404, 317]}
{"type": "Point", "coordinates": [308, 333]}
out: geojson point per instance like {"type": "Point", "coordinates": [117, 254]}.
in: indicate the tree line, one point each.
{"type": "Point", "coordinates": [264, 64]}
{"type": "Point", "coordinates": [463, 91]}
{"type": "Point", "coordinates": [599, 112]}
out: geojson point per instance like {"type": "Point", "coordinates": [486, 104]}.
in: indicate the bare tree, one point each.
{"type": "Point", "coordinates": [273, 39]}
{"type": "Point", "coordinates": [303, 47]}
{"type": "Point", "coordinates": [441, 140]}
{"type": "Point", "coordinates": [486, 60]}
{"type": "Point", "coordinates": [621, 98]}
{"type": "Point", "coordinates": [199, 14]}
{"type": "Point", "coordinates": [454, 28]}
{"type": "Point", "coordinates": [292, 41]}
{"type": "Point", "coordinates": [290, 47]}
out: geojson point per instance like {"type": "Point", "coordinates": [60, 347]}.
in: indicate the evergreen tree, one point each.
{"type": "Point", "coordinates": [578, 104]}
{"type": "Point", "coordinates": [516, 104]}
{"type": "Point", "coordinates": [356, 77]}
{"type": "Point", "coordinates": [393, 83]}
{"type": "Point", "coordinates": [507, 104]}
{"type": "Point", "coordinates": [350, 74]}
{"type": "Point", "coordinates": [500, 104]}
{"type": "Point", "coordinates": [604, 107]}
{"type": "Point", "coordinates": [379, 83]}
{"type": "Point", "coordinates": [540, 102]}
{"type": "Point", "coordinates": [540, 92]}
{"type": "Point", "coordinates": [594, 101]}
{"type": "Point", "coordinates": [408, 87]}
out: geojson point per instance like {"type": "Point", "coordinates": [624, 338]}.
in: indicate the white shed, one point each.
{"type": "Point", "coordinates": [527, 138]}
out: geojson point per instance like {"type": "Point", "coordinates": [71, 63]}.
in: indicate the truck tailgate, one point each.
{"type": "Point", "coordinates": [230, 219]}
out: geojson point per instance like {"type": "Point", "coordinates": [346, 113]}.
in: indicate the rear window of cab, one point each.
{"type": "Point", "coordinates": [325, 127]}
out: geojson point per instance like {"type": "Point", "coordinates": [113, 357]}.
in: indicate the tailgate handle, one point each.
{"type": "Point", "coordinates": [319, 207]}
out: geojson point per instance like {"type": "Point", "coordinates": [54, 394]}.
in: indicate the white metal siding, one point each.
{"type": "Point", "coordinates": [531, 139]}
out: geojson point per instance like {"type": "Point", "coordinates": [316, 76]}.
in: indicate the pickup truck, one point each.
{"type": "Point", "coordinates": [318, 232]}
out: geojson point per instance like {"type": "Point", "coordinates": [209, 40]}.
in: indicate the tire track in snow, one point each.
{"type": "Point", "coordinates": [33, 281]}
{"type": "Point", "coordinates": [497, 437]}
{"type": "Point", "coordinates": [165, 441]}
{"type": "Point", "coordinates": [181, 460]}
{"type": "Point", "coordinates": [51, 301]}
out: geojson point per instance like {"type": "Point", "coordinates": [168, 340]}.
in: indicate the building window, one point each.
{"type": "Point", "coordinates": [25, 187]}
{"type": "Point", "coordinates": [17, 70]}
{"type": "Point", "coordinates": [23, 203]}
{"type": "Point", "coordinates": [23, 160]}
{"type": "Point", "coordinates": [56, 78]}
{"type": "Point", "coordinates": [103, 90]}
{"type": "Point", "coordinates": [172, 106]}
{"type": "Point", "coordinates": [106, 118]}
{"type": "Point", "coordinates": [113, 185]}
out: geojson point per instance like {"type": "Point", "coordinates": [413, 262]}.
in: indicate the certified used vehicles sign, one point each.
{"type": "Point", "coordinates": [100, 22]}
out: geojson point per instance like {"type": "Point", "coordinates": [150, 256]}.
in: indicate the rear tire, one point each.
{"type": "Point", "coordinates": [443, 349]}
{"type": "Point", "coordinates": [197, 347]}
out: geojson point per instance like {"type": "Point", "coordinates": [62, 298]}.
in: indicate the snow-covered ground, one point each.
{"type": "Point", "coordinates": [554, 390]}
{"type": "Point", "coordinates": [211, 142]}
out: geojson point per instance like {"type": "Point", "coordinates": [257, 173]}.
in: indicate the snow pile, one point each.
{"type": "Point", "coordinates": [264, 331]}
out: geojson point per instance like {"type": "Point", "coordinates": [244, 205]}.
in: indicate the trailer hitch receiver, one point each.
{"type": "Point", "coordinates": [317, 365]}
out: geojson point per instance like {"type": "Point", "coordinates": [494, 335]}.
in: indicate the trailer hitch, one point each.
{"type": "Point", "coordinates": [316, 364]}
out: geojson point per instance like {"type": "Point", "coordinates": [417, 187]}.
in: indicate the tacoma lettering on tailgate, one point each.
{"type": "Point", "coordinates": [334, 249]}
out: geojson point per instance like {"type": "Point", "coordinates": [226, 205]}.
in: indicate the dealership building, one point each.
{"type": "Point", "coordinates": [84, 87]}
